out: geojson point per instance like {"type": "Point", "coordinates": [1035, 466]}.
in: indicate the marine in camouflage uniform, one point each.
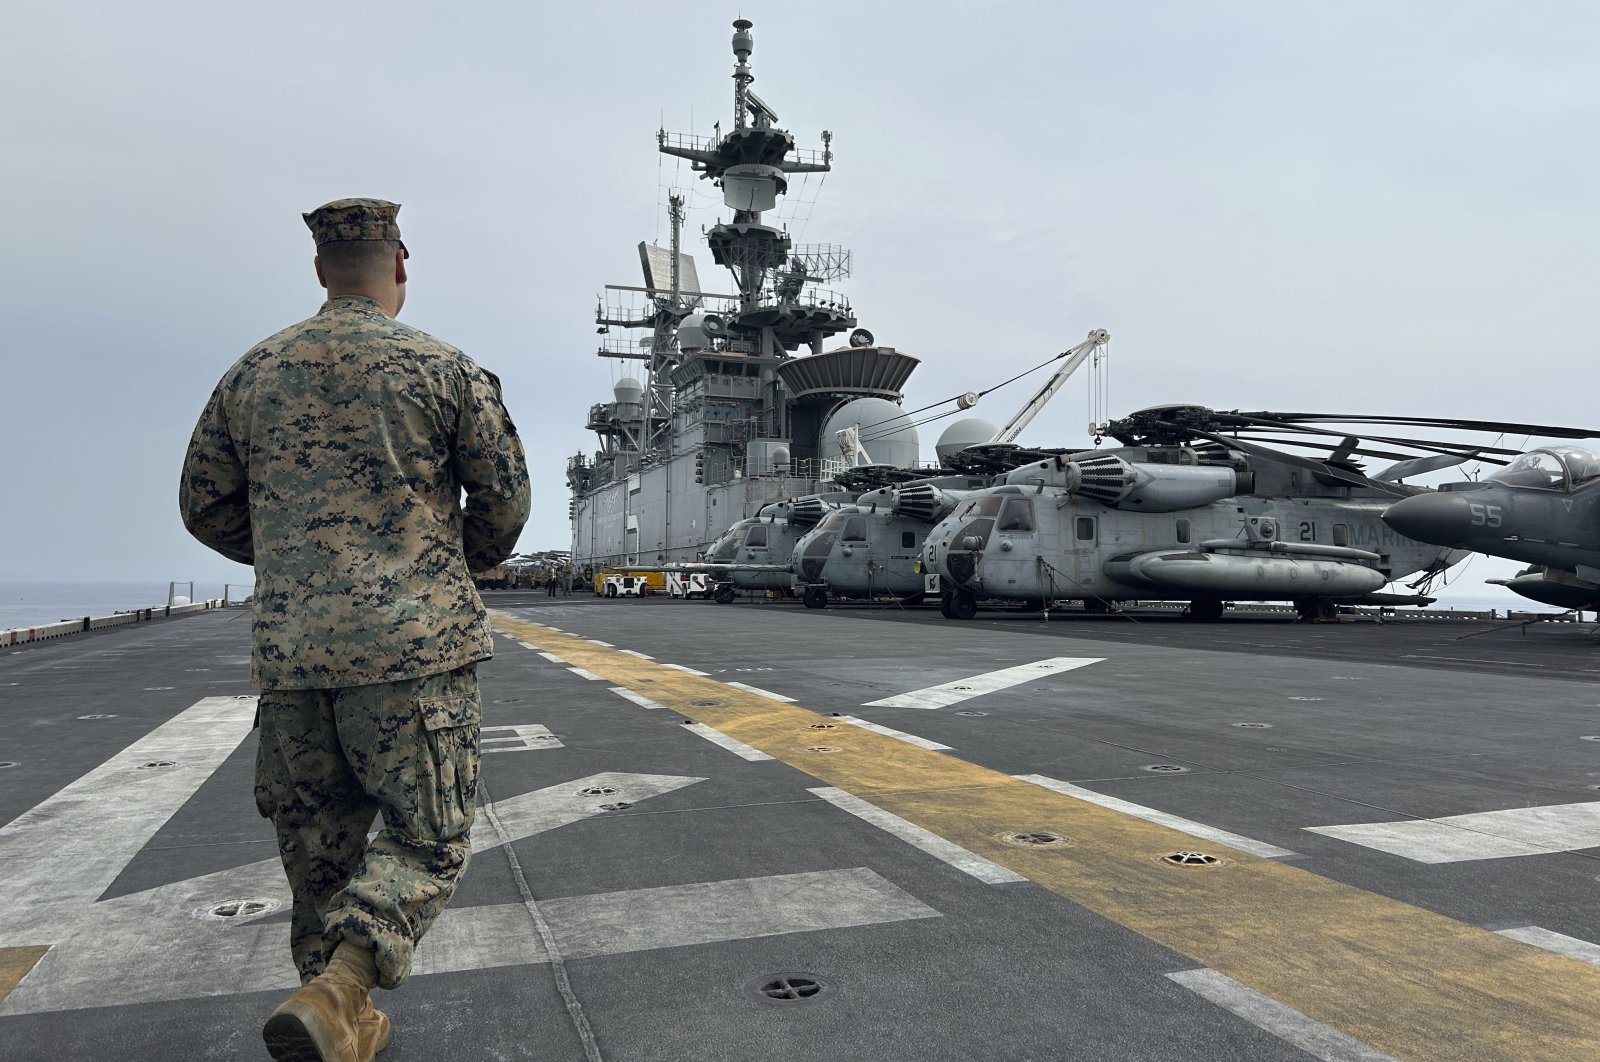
{"type": "Point", "coordinates": [332, 457]}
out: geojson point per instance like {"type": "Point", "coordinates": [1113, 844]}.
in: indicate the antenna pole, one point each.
{"type": "Point", "coordinates": [743, 45]}
{"type": "Point", "coordinates": [675, 212]}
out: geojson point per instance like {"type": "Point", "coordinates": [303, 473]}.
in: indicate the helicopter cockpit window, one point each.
{"type": "Point", "coordinates": [987, 505]}
{"type": "Point", "coordinates": [832, 523]}
{"type": "Point", "coordinates": [1015, 515]}
{"type": "Point", "coordinates": [1537, 468]}
{"type": "Point", "coordinates": [855, 529]}
{"type": "Point", "coordinates": [756, 536]}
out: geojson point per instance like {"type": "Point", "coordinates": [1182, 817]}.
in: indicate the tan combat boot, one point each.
{"type": "Point", "coordinates": [326, 1021]}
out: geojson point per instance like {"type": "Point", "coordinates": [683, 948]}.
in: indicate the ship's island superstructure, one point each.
{"type": "Point", "coordinates": [742, 402]}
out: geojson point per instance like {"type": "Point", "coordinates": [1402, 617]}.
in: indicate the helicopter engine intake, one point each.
{"type": "Point", "coordinates": [1122, 484]}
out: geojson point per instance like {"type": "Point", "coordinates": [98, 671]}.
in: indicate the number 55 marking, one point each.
{"type": "Point", "coordinates": [1484, 515]}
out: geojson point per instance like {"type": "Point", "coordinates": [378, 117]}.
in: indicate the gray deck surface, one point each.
{"type": "Point", "coordinates": [756, 876]}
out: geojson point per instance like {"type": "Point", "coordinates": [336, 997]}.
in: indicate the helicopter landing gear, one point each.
{"type": "Point", "coordinates": [815, 597]}
{"type": "Point", "coordinates": [1316, 610]}
{"type": "Point", "coordinates": [961, 605]}
{"type": "Point", "coordinates": [724, 594]}
{"type": "Point", "coordinates": [1205, 610]}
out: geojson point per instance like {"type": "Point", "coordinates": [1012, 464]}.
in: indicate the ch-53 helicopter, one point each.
{"type": "Point", "coordinates": [1543, 507]}
{"type": "Point", "coordinates": [873, 547]}
{"type": "Point", "coordinates": [753, 553]}
{"type": "Point", "coordinates": [1182, 511]}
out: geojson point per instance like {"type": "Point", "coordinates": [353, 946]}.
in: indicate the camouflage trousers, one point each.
{"type": "Point", "coordinates": [330, 760]}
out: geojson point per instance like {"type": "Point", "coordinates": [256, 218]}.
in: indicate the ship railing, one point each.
{"type": "Point", "coordinates": [625, 346]}
{"type": "Point", "coordinates": [811, 297]}
{"type": "Point", "coordinates": [686, 141]}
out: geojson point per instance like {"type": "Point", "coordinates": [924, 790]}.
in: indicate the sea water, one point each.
{"type": "Point", "coordinates": [33, 603]}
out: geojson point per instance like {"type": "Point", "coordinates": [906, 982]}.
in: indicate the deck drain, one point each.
{"type": "Point", "coordinates": [1034, 839]}
{"type": "Point", "coordinates": [149, 765]}
{"type": "Point", "coordinates": [97, 716]}
{"type": "Point", "coordinates": [788, 989]}
{"type": "Point", "coordinates": [705, 704]}
{"type": "Point", "coordinates": [823, 726]}
{"type": "Point", "coordinates": [1276, 748]}
{"type": "Point", "coordinates": [1305, 698]}
{"type": "Point", "coordinates": [1254, 726]}
{"type": "Point", "coordinates": [597, 790]}
{"type": "Point", "coordinates": [821, 748]}
{"type": "Point", "coordinates": [1192, 859]}
{"type": "Point", "coordinates": [620, 805]}
{"type": "Point", "coordinates": [7, 763]}
{"type": "Point", "coordinates": [230, 909]}
{"type": "Point", "coordinates": [158, 689]}
{"type": "Point", "coordinates": [973, 714]}
{"type": "Point", "coordinates": [962, 689]}
{"type": "Point", "coordinates": [1590, 737]}
{"type": "Point", "coordinates": [1165, 768]}
{"type": "Point", "coordinates": [507, 700]}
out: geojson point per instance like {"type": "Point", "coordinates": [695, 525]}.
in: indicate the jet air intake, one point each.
{"type": "Point", "coordinates": [1118, 483]}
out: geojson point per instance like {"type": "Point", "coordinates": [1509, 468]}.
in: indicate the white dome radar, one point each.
{"type": "Point", "coordinates": [968, 431]}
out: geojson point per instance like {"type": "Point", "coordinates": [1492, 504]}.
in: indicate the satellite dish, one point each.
{"type": "Point", "coordinates": [861, 338]}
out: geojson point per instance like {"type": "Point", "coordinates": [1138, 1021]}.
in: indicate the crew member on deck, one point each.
{"type": "Point", "coordinates": [333, 457]}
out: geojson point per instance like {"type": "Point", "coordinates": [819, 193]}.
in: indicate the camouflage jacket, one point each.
{"type": "Point", "coordinates": [333, 457]}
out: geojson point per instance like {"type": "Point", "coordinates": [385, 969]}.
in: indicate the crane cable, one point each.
{"type": "Point", "coordinates": [934, 405]}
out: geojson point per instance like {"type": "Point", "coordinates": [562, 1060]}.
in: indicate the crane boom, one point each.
{"type": "Point", "coordinates": [1074, 358]}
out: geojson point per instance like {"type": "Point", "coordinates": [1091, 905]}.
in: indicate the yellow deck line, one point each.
{"type": "Point", "coordinates": [16, 963]}
{"type": "Point", "coordinates": [1403, 979]}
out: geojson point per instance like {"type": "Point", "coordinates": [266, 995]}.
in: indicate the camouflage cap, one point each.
{"type": "Point", "coordinates": [355, 219]}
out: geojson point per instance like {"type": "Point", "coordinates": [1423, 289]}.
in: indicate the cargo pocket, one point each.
{"type": "Point", "coordinates": [451, 728]}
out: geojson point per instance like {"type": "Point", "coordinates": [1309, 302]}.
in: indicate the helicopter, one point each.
{"type": "Point", "coordinates": [1542, 507]}
{"type": "Point", "coordinates": [1182, 511]}
{"type": "Point", "coordinates": [872, 547]}
{"type": "Point", "coordinates": [753, 553]}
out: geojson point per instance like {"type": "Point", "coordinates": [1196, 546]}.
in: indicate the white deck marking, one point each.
{"type": "Point", "coordinates": [149, 946]}
{"type": "Point", "coordinates": [1286, 1023]}
{"type": "Point", "coordinates": [635, 652]}
{"type": "Point", "coordinates": [733, 745]}
{"type": "Point", "coordinates": [1560, 943]}
{"type": "Point", "coordinates": [948, 693]}
{"type": "Point", "coordinates": [759, 692]}
{"type": "Point", "coordinates": [637, 698]}
{"type": "Point", "coordinates": [947, 851]}
{"type": "Point", "coordinates": [526, 645]}
{"type": "Point", "coordinates": [518, 738]}
{"type": "Point", "coordinates": [898, 735]}
{"type": "Point", "coordinates": [1161, 818]}
{"type": "Point", "coordinates": [553, 658]}
{"type": "Point", "coordinates": [597, 641]}
{"type": "Point", "coordinates": [68, 849]}
{"type": "Point", "coordinates": [581, 673]}
{"type": "Point", "coordinates": [687, 670]}
{"type": "Point", "coordinates": [1484, 835]}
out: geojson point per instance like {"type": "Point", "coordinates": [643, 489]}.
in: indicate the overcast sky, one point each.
{"type": "Point", "coordinates": [1370, 207]}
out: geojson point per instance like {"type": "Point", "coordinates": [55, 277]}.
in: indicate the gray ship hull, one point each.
{"type": "Point", "coordinates": [661, 515]}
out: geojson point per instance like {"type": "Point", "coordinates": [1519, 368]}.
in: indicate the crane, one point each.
{"type": "Point", "coordinates": [1074, 358]}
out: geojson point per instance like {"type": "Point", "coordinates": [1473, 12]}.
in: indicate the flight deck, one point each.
{"type": "Point", "coordinates": [758, 831]}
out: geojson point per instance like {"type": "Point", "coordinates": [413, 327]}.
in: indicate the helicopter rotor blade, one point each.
{"type": "Point", "coordinates": [1268, 453]}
